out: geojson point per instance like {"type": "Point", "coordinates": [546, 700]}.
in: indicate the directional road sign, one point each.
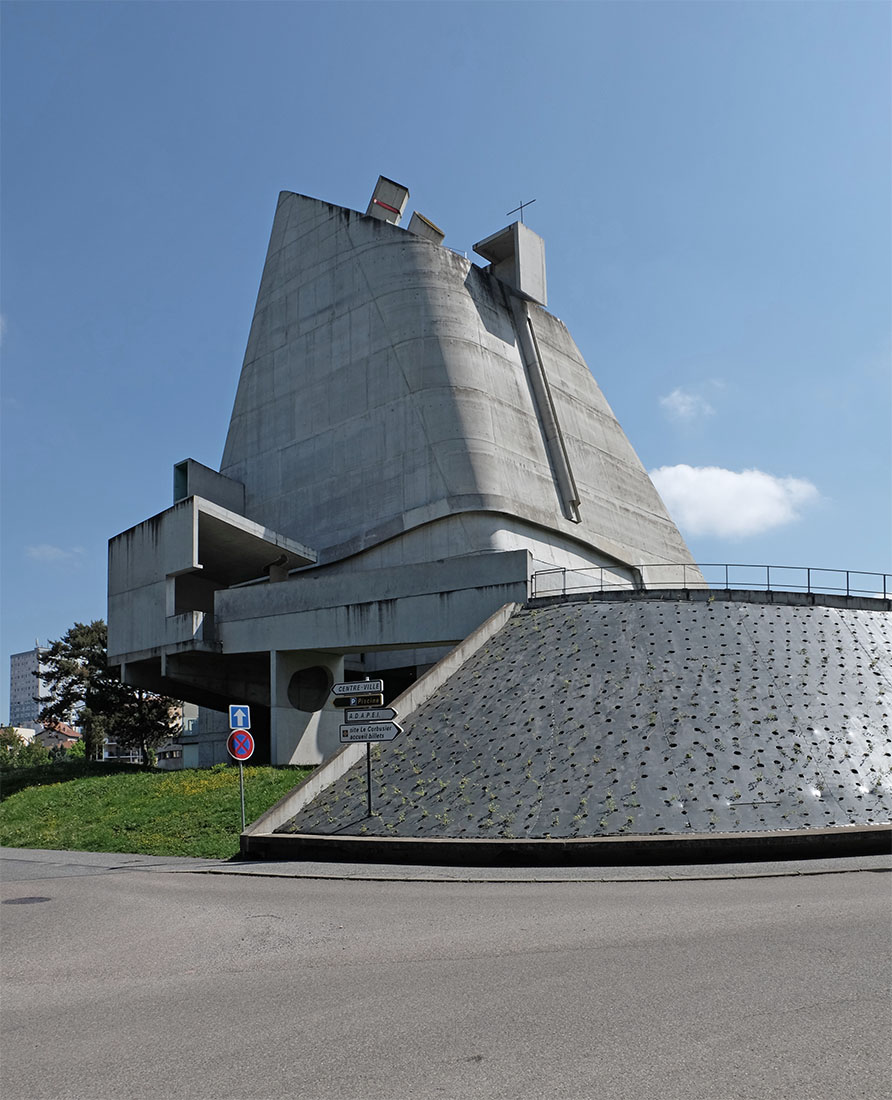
{"type": "Point", "coordinates": [359, 701]}
{"type": "Point", "coordinates": [240, 744]}
{"type": "Point", "coordinates": [370, 714]}
{"type": "Point", "coordinates": [355, 686]}
{"type": "Point", "coordinates": [369, 731]}
{"type": "Point", "coordinates": [239, 716]}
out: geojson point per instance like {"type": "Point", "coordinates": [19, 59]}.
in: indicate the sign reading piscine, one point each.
{"type": "Point", "coordinates": [369, 699]}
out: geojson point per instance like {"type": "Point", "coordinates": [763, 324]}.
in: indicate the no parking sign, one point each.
{"type": "Point", "coordinates": [240, 744]}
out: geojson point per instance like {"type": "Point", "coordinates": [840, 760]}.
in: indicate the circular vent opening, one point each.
{"type": "Point", "coordinates": [309, 688]}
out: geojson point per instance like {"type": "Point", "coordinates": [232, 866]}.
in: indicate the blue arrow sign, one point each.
{"type": "Point", "coordinates": [239, 716]}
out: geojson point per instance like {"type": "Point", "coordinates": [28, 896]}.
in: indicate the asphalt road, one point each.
{"type": "Point", "coordinates": [156, 983]}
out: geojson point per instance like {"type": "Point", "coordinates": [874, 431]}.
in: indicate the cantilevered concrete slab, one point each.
{"type": "Point", "coordinates": [164, 573]}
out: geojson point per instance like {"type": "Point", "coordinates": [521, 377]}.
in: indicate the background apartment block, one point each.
{"type": "Point", "coordinates": [25, 683]}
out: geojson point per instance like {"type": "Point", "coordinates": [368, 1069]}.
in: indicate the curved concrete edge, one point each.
{"type": "Point", "coordinates": [405, 704]}
{"type": "Point", "coordinates": [705, 594]}
{"type": "Point", "coordinates": [847, 840]}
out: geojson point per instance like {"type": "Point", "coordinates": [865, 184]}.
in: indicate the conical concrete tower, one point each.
{"type": "Point", "coordinates": [399, 404]}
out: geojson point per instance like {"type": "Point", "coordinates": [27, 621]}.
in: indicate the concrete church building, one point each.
{"type": "Point", "coordinates": [413, 436]}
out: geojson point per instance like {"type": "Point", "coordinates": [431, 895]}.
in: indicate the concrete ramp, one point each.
{"type": "Point", "coordinates": [653, 715]}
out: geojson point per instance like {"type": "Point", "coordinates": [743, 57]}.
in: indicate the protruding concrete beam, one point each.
{"type": "Point", "coordinates": [517, 255]}
{"type": "Point", "coordinates": [193, 479]}
{"type": "Point", "coordinates": [388, 201]}
{"type": "Point", "coordinates": [422, 227]}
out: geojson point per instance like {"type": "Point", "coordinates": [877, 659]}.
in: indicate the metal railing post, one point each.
{"type": "Point", "coordinates": [767, 578]}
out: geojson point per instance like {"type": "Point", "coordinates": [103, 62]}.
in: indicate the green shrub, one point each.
{"type": "Point", "coordinates": [16, 752]}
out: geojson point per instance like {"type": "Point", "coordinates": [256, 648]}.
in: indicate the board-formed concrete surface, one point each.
{"type": "Point", "coordinates": [390, 385]}
{"type": "Point", "coordinates": [606, 718]}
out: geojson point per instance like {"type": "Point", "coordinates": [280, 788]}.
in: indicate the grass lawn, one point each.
{"type": "Point", "coordinates": [179, 813]}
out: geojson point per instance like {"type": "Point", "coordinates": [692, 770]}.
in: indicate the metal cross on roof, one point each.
{"type": "Point", "coordinates": [520, 208]}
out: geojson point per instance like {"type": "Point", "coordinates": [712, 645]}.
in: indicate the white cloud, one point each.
{"type": "Point", "coordinates": [685, 405]}
{"type": "Point", "coordinates": [707, 500]}
{"type": "Point", "coordinates": [55, 555]}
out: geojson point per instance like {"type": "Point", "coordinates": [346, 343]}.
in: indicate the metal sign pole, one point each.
{"type": "Point", "coordinates": [367, 719]}
{"type": "Point", "coordinates": [368, 772]}
{"type": "Point", "coordinates": [240, 745]}
{"type": "Point", "coordinates": [241, 787]}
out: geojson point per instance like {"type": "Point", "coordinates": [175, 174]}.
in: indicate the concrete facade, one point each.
{"type": "Point", "coordinates": [389, 385]}
{"type": "Point", "coordinates": [412, 437]}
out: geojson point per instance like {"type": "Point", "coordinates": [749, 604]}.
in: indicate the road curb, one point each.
{"type": "Point", "coordinates": [342, 873]}
{"type": "Point", "coordinates": [856, 840]}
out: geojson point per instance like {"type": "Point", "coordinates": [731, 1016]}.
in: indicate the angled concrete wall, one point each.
{"type": "Point", "coordinates": [604, 717]}
{"type": "Point", "coordinates": [384, 390]}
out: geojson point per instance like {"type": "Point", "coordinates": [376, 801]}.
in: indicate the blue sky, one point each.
{"type": "Point", "coordinates": [712, 181]}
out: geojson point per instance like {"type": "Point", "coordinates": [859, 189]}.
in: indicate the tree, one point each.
{"type": "Point", "coordinates": [84, 691]}
{"type": "Point", "coordinates": [144, 722]}
{"type": "Point", "coordinates": [76, 751]}
{"type": "Point", "coordinates": [16, 752]}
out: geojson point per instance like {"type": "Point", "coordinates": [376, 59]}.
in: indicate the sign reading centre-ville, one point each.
{"type": "Point", "coordinates": [358, 687]}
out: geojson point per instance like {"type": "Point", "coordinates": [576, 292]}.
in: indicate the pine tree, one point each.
{"type": "Point", "coordinates": [84, 691]}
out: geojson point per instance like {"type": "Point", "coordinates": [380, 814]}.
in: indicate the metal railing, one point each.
{"type": "Point", "coordinates": [761, 578]}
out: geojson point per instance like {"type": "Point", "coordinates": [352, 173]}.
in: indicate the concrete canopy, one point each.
{"type": "Point", "coordinates": [234, 549]}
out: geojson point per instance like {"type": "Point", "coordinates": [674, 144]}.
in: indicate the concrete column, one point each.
{"type": "Point", "coordinates": [297, 735]}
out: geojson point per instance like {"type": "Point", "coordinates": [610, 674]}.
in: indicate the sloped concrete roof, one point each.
{"type": "Point", "coordinates": [606, 718]}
